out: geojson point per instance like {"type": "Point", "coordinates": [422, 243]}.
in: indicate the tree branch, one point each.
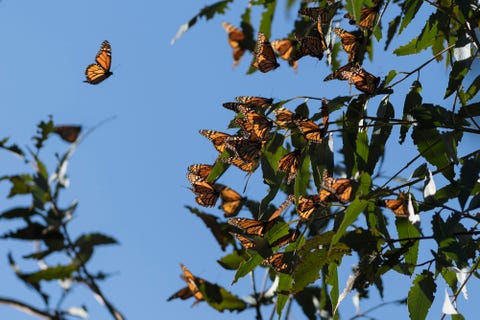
{"type": "Point", "coordinates": [26, 308]}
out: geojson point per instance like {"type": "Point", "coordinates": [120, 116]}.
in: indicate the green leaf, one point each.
{"type": "Point", "coordinates": [421, 295]}
{"type": "Point", "coordinates": [361, 152]}
{"type": "Point", "coordinates": [284, 284]}
{"type": "Point", "coordinates": [267, 18]}
{"type": "Point", "coordinates": [254, 260]}
{"type": "Point", "coordinates": [18, 212]}
{"type": "Point", "coordinates": [332, 280]}
{"type": "Point", "coordinates": [412, 101]}
{"type": "Point", "coordinates": [13, 148]}
{"type": "Point", "coordinates": [405, 230]}
{"type": "Point", "coordinates": [219, 298]}
{"type": "Point", "coordinates": [208, 12]}
{"type": "Point", "coordinates": [423, 41]}
{"type": "Point", "coordinates": [470, 111]}
{"type": "Point", "coordinates": [472, 89]}
{"type": "Point", "coordinates": [305, 299]}
{"type": "Point", "coordinates": [231, 261]}
{"type": "Point", "coordinates": [455, 79]}
{"type": "Point", "coordinates": [432, 146]}
{"type": "Point", "coordinates": [51, 273]}
{"type": "Point", "coordinates": [380, 135]}
{"type": "Point", "coordinates": [94, 239]}
{"type": "Point", "coordinates": [468, 179]}
{"type": "Point", "coordinates": [353, 211]}
{"type": "Point", "coordinates": [392, 30]}
{"type": "Point", "coordinates": [410, 9]}
{"type": "Point", "coordinates": [390, 76]}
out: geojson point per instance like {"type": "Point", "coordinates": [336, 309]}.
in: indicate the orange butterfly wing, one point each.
{"type": "Point", "coordinates": [265, 59]}
{"type": "Point", "coordinates": [235, 37]}
{"type": "Point", "coordinates": [99, 71]}
{"type": "Point", "coordinates": [68, 133]}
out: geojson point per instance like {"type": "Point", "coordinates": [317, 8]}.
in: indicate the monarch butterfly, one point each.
{"type": "Point", "coordinates": [246, 149]}
{"type": "Point", "coordinates": [191, 290]}
{"type": "Point", "coordinates": [232, 201]}
{"type": "Point", "coordinates": [257, 126]}
{"type": "Point", "coordinates": [336, 189]}
{"type": "Point", "coordinates": [217, 138]}
{"type": "Point", "coordinates": [265, 59]}
{"type": "Point", "coordinates": [99, 71]}
{"type": "Point", "coordinates": [235, 38]}
{"type": "Point", "coordinates": [399, 206]}
{"type": "Point", "coordinates": [307, 205]}
{"type": "Point", "coordinates": [363, 81]}
{"type": "Point", "coordinates": [206, 193]}
{"type": "Point", "coordinates": [367, 17]}
{"type": "Point", "coordinates": [251, 226]}
{"type": "Point", "coordinates": [313, 46]}
{"type": "Point", "coordinates": [200, 170]}
{"type": "Point", "coordinates": [287, 50]}
{"type": "Point", "coordinates": [255, 101]}
{"type": "Point", "coordinates": [68, 133]}
{"type": "Point", "coordinates": [247, 243]}
{"type": "Point", "coordinates": [283, 262]}
{"type": "Point", "coordinates": [350, 42]}
{"type": "Point", "coordinates": [310, 130]}
{"type": "Point", "coordinates": [247, 166]}
{"type": "Point", "coordinates": [289, 164]}
{"type": "Point", "coordinates": [314, 13]}
{"type": "Point", "coordinates": [284, 118]}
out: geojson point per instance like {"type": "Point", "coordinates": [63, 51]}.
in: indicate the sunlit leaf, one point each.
{"type": "Point", "coordinates": [421, 295]}
{"type": "Point", "coordinates": [423, 41]}
{"type": "Point", "coordinates": [219, 298]}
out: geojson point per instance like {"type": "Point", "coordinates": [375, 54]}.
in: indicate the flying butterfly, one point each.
{"type": "Point", "coordinates": [350, 42]}
{"type": "Point", "coordinates": [260, 102]}
{"type": "Point", "coordinates": [313, 46]}
{"type": "Point", "coordinates": [356, 75]}
{"type": "Point", "coordinates": [68, 133]}
{"type": "Point", "coordinates": [217, 138]}
{"type": "Point", "coordinates": [235, 38]}
{"type": "Point", "coordinates": [99, 71]}
{"type": "Point", "coordinates": [287, 50]}
{"type": "Point", "coordinates": [368, 16]}
{"type": "Point", "coordinates": [265, 59]}
{"type": "Point", "coordinates": [232, 201]}
{"type": "Point", "coordinates": [289, 164]}
{"type": "Point", "coordinates": [191, 290]}
{"type": "Point", "coordinates": [206, 193]}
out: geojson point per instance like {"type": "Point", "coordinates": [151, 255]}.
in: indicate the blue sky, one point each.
{"type": "Point", "coordinates": [129, 175]}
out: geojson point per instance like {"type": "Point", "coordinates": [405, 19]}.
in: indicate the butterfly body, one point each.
{"type": "Point", "coordinates": [100, 70]}
{"type": "Point", "coordinates": [265, 59]}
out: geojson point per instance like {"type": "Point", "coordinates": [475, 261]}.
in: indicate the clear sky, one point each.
{"type": "Point", "coordinates": [129, 175]}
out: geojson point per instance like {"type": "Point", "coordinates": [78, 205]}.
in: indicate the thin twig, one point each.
{"type": "Point", "coordinates": [364, 314]}
{"type": "Point", "coordinates": [26, 308]}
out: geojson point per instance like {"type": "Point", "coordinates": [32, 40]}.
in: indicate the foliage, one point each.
{"type": "Point", "coordinates": [335, 217]}
{"type": "Point", "coordinates": [60, 257]}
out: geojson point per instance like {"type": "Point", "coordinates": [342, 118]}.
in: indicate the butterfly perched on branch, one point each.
{"type": "Point", "coordinates": [368, 17]}
{"type": "Point", "coordinates": [350, 42]}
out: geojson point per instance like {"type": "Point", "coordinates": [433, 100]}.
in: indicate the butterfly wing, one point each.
{"type": "Point", "coordinates": [217, 138]}
{"type": "Point", "coordinates": [99, 71]}
{"type": "Point", "coordinates": [68, 133]}
{"type": "Point", "coordinates": [235, 37]}
{"type": "Point", "coordinates": [265, 59]}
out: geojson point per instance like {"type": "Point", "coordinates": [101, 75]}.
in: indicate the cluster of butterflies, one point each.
{"type": "Point", "coordinates": [314, 45]}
